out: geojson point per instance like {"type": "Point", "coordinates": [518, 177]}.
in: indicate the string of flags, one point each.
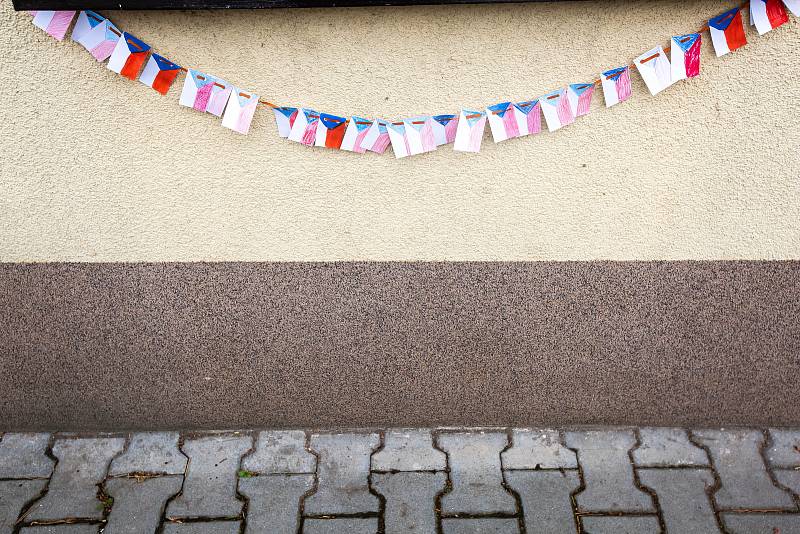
{"type": "Point", "coordinates": [132, 58]}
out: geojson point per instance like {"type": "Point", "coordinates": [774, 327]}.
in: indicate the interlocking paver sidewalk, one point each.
{"type": "Point", "coordinates": [393, 481]}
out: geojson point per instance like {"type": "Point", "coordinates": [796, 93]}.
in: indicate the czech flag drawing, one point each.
{"type": "Point", "coordinates": [580, 98]}
{"type": "Point", "coordinates": [284, 119]}
{"type": "Point", "coordinates": [96, 34]}
{"type": "Point", "coordinates": [54, 23]}
{"type": "Point", "coordinates": [444, 128]}
{"type": "Point", "coordinates": [686, 56]}
{"type": "Point", "coordinates": [356, 130]}
{"type": "Point", "coordinates": [727, 32]}
{"type": "Point", "coordinates": [502, 121]}
{"type": "Point", "coordinates": [159, 73]}
{"type": "Point", "coordinates": [616, 85]}
{"type": "Point", "coordinates": [529, 117]}
{"type": "Point", "coordinates": [128, 57]}
{"type": "Point", "coordinates": [766, 15]}
{"type": "Point", "coordinates": [556, 109]}
{"type": "Point", "coordinates": [330, 131]}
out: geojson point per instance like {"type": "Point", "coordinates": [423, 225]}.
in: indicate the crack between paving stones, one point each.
{"type": "Point", "coordinates": [520, 509]}
{"type": "Point", "coordinates": [301, 516]}
{"type": "Point", "coordinates": [372, 490]}
{"type": "Point", "coordinates": [762, 450]}
{"type": "Point", "coordinates": [240, 496]}
{"type": "Point", "coordinates": [638, 483]}
{"type": "Point", "coordinates": [163, 520]}
{"type": "Point", "coordinates": [713, 489]}
{"type": "Point", "coordinates": [28, 507]}
{"type": "Point", "coordinates": [580, 489]}
{"type": "Point", "coordinates": [448, 483]}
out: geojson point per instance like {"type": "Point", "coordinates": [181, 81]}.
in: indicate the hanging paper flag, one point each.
{"type": "Point", "coordinates": [528, 116]}
{"type": "Point", "coordinates": [96, 34]}
{"type": "Point", "coordinates": [502, 121]}
{"type": "Point", "coordinates": [128, 56]}
{"type": "Point", "coordinates": [419, 135]}
{"type": "Point", "coordinates": [159, 73]}
{"type": "Point", "coordinates": [240, 110]}
{"type": "Point", "coordinates": [304, 129]}
{"type": "Point", "coordinates": [556, 109]}
{"type": "Point", "coordinates": [357, 129]}
{"type": "Point", "coordinates": [580, 98]}
{"type": "Point", "coordinates": [397, 135]}
{"type": "Point", "coordinates": [727, 32]}
{"type": "Point", "coordinates": [469, 134]}
{"type": "Point", "coordinates": [220, 95]}
{"type": "Point", "coordinates": [444, 128]}
{"type": "Point", "coordinates": [284, 118]}
{"type": "Point", "coordinates": [794, 6]}
{"type": "Point", "coordinates": [655, 69]}
{"type": "Point", "coordinates": [196, 91]}
{"type": "Point", "coordinates": [330, 130]}
{"type": "Point", "coordinates": [686, 56]}
{"type": "Point", "coordinates": [54, 23]}
{"type": "Point", "coordinates": [616, 85]}
{"type": "Point", "coordinates": [766, 15]}
{"type": "Point", "coordinates": [377, 137]}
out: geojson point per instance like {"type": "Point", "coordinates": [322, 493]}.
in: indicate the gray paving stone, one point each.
{"type": "Point", "coordinates": [14, 495]}
{"type": "Point", "coordinates": [622, 525]}
{"type": "Point", "coordinates": [666, 447]}
{"type": "Point", "coordinates": [682, 496]}
{"type": "Point", "coordinates": [341, 526]}
{"type": "Point", "coordinates": [785, 449]}
{"type": "Point", "coordinates": [280, 451]}
{"type": "Point", "coordinates": [538, 449]}
{"type": "Point", "coordinates": [761, 523]}
{"type": "Point", "coordinates": [72, 493]}
{"type": "Point", "coordinates": [741, 469]}
{"type": "Point", "coordinates": [789, 478]}
{"type": "Point", "coordinates": [274, 502]}
{"type": "Point", "coordinates": [211, 527]}
{"type": "Point", "coordinates": [151, 452]}
{"type": "Point", "coordinates": [23, 456]}
{"type": "Point", "coordinates": [410, 500]}
{"type": "Point", "coordinates": [138, 504]}
{"type": "Point", "coordinates": [607, 472]}
{"type": "Point", "coordinates": [480, 526]}
{"type": "Point", "coordinates": [475, 473]}
{"type": "Point", "coordinates": [409, 450]}
{"type": "Point", "coordinates": [62, 529]}
{"type": "Point", "coordinates": [209, 489]}
{"type": "Point", "coordinates": [343, 474]}
{"type": "Point", "coordinates": [545, 498]}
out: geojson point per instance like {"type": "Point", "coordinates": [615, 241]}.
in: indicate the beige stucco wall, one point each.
{"type": "Point", "coordinates": [97, 168]}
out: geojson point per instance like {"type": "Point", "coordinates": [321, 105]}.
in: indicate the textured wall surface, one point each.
{"type": "Point", "coordinates": [97, 168]}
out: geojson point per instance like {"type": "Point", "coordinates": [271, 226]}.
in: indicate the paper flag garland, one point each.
{"type": "Point", "coordinates": [96, 34]}
{"type": "Point", "coordinates": [128, 57]}
{"type": "Point", "coordinates": [655, 69]}
{"type": "Point", "coordinates": [529, 117]}
{"type": "Point", "coordinates": [356, 130]}
{"type": "Point", "coordinates": [727, 32]}
{"type": "Point", "coordinates": [556, 110]}
{"type": "Point", "coordinates": [240, 110]}
{"type": "Point", "coordinates": [330, 131]}
{"type": "Point", "coordinates": [159, 73]}
{"type": "Point", "coordinates": [54, 23]}
{"type": "Point", "coordinates": [377, 137]}
{"type": "Point", "coordinates": [444, 128]}
{"type": "Point", "coordinates": [766, 15]}
{"type": "Point", "coordinates": [580, 98]}
{"type": "Point", "coordinates": [469, 133]}
{"type": "Point", "coordinates": [686, 56]}
{"type": "Point", "coordinates": [616, 85]}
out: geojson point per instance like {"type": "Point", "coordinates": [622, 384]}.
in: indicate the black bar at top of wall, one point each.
{"type": "Point", "coordinates": [27, 5]}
